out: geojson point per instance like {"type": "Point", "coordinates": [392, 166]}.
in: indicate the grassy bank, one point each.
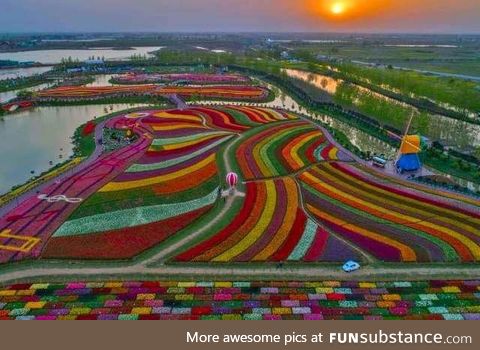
{"type": "Point", "coordinates": [456, 92]}
{"type": "Point", "coordinates": [383, 110]}
{"type": "Point", "coordinates": [21, 83]}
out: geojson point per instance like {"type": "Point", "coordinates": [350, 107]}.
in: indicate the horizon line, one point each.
{"type": "Point", "coordinates": [238, 32]}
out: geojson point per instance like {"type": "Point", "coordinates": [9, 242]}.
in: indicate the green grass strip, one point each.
{"type": "Point", "coordinates": [305, 242]}
{"type": "Point", "coordinates": [103, 202]}
{"type": "Point", "coordinates": [132, 217]}
{"type": "Point", "coordinates": [181, 139]}
{"type": "Point", "coordinates": [171, 162]}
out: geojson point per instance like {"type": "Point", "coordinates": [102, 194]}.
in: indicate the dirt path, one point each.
{"type": "Point", "coordinates": [171, 248]}
{"type": "Point", "coordinates": [228, 205]}
{"type": "Point", "coordinates": [179, 272]}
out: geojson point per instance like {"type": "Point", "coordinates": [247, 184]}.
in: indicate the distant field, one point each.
{"type": "Point", "coordinates": [450, 59]}
{"type": "Point", "coordinates": [466, 67]}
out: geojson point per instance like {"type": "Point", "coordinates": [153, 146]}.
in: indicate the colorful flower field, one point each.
{"type": "Point", "coordinates": [94, 91]}
{"type": "Point", "coordinates": [470, 201]}
{"type": "Point", "coordinates": [236, 92]}
{"type": "Point", "coordinates": [240, 119]}
{"type": "Point", "coordinates": [389, 222]}
{"type": "Point", "coordinates": [233, 92]}
{"type": "Point", "coordinates": [270, 226]}
{"type": "Point", "coordinates": [328, 300]}
{"type": "Point", "coordinates": [284, 149]}
{"type": "Point", "coordinates": [299, 200]}
{"type": "Point", "coordinates": [172, 185]}
{"type": "Point", "coordinates": [193, 78]}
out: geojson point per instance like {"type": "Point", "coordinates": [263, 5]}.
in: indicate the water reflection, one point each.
{"type": "Point", "coordinates": [457, 133]}
{"type": "Point", "coordinates": [33, 138]}
{"type": "Point", "coordinates": [102, 80]}
{"type": "Point", "coordinates": [55, 56]}
{"type": "Point", "coordinates": [322, 82]}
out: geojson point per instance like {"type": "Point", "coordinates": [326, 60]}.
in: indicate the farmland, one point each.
{"type": "Point", "coordinates": [225, 300]}
{"type": "Point", "coordinates": [302, 198]}
{"type": "Point", "coordinates": [192, 78]}
{"type": "Point", "coordinates": [227, 92]}
{"type": "Point", "coordinates": [153, 196]}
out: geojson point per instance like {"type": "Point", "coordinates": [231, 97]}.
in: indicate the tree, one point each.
{"type": "Point", "coordinates": [25, 95]}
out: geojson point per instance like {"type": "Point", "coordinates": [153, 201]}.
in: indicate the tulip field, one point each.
{"type": "Point", "coordinates": [284, 149]}
{"type": "Point", "coordinates": [233, 92]}
{"type": "Point", "coordinates": [170, 186]}
{"type": "Point", "coordinates": [300, 199]}
{"type": "Point", "coordinates": [388, 222]}
{"type": "Point", "coordinates": [271, 226]}
{"type": "Point", "coordinates": [192, 78]}
{"type": "Point", "coordinates": [242, 300]}
{"type": "Point", "coordinates": [162, 204]}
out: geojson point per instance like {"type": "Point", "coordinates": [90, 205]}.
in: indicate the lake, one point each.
{"type": "Point", "coordinates": [33, 138]}
{"type": "Point", "coordinates": [55, 56]}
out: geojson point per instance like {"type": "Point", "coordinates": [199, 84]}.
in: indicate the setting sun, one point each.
{"type": "Point", "coordinates": [337, 8]}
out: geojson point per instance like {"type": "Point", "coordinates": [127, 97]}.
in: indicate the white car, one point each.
{"type": "Point", "coordinates": [351, 266]}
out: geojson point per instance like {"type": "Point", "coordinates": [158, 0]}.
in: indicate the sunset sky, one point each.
{"type": "Point", "coordinates": [426, 16]}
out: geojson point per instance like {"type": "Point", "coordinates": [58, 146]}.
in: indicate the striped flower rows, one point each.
{"type": "Point", "coordinates": [195, 78]}
{"type": "Point", "coordinates": [94, 91]}
{"type": "Point", "coordinates": [173, 184]}
{"type": "Point", "coordinates": [237, 300]}
{"type": "Point", "coordinates": [388, 222]}
{"type": "Point", "coordinates": [283, 149]}
{"type": "Point", "coordinates": [167, 123]}
{"type": "Point", "coordinates": [240, 119]}
{"type": "Point", "coordinates": [234, 92]}
{"type": "Point", "coordinates": [270, 226]}
{"type": "Point", "coordinates": [239, 92]}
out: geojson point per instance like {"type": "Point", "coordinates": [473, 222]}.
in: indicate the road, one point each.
{"type": "Point", "coordinates": [267, 272]}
